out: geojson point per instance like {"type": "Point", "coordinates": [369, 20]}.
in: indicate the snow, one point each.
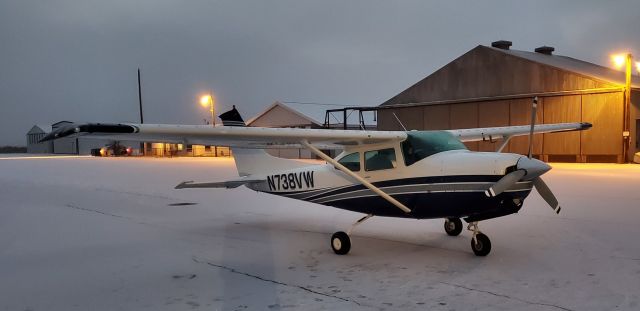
{"type": "Point", "coordinates": [102, 234]}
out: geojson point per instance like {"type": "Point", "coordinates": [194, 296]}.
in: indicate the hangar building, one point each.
{"type": "Point", "coordinates": [494, 86]}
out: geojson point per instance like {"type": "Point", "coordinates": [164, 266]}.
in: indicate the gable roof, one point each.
{"type": "Point", "coordinates": [573, 65]}
{"type": "Point", "coordinates": [315, 113]}
{"type": "Point", "coordinates": [40, 128]}
{"type": "Point", "coordinates": [287, 108]}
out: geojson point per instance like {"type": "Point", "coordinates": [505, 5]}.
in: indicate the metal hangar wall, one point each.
{"type": "Point", "coordinates": [494, 86]}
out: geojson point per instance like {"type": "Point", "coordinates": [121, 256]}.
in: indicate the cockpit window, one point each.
{"type": "Point", "coordinates": [351, 161]}
{"type": "Point", "coordinates": [420, 145]}
{"type": "Point", "coordinates": [379, 159]}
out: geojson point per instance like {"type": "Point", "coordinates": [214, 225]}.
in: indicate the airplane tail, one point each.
{"type": "Point", "coordinates": [255, 161]}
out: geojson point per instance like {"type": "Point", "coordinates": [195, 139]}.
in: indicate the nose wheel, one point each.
{"type": "Point", "coordinates": [480, 243]}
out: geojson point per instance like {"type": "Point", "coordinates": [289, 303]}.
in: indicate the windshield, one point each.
{"type": "Point", "coordinates": [420, 145]}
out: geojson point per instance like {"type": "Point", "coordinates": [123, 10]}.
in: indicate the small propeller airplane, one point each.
{"type": "Point", "coordinates": [407, 174]}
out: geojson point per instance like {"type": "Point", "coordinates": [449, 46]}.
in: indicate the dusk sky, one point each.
{"type": "Point", "coordinates": [77, 60]}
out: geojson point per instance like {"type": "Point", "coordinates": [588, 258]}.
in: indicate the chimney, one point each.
{"type": "Point", "coordinates": [502, 44]}
{"type": "Point", "coordinates": [545, 50]}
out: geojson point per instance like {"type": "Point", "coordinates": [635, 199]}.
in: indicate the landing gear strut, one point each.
{"type": "Point", "coordinates": [480, 243]}
{"type": "Point", "coordinates": [340, 241]}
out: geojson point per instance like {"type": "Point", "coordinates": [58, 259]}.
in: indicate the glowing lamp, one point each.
{"type": "Point", "coordinates": [206, 100]}
{"type": "Point", "coordinates": [618, 60]}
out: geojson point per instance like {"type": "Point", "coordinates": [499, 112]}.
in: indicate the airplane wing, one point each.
{"type": "Point", "coordinates": [505, 132]}
{"type": "Point", "coordinates": [248, 137]}
{"type": "Point", "coordinates": [259, 137]}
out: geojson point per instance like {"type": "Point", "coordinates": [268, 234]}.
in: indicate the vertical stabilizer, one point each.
{"type": "Point", "coordinates": [255, 161]}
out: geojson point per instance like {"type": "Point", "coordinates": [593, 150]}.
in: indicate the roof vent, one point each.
{"type": "Point", "coordinates": [502, 44]}
{"type": "Point", "coordinates": [545, 50]}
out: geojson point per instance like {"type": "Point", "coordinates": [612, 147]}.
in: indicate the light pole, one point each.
{"type": "Point", "coordinates": [207, 100]}
{"type": "Point", "coordinates": [626, 60]}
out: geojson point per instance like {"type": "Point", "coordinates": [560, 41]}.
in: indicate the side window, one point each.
{"type": "Point", "coordinates": [379, 159]}
{"type": "Point", "coordinates": [351, 161]}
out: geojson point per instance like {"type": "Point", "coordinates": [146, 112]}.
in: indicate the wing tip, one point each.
{"type": "Point", "coordinates": [585, 125]}
{"type": "Point", "coordinates": [183, 184]}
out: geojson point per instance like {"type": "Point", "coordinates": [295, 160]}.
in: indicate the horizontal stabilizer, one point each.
{"type": "Point", "coordinates": [219, 184]}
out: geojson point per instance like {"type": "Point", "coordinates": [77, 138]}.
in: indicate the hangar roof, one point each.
{"type": "Point", "coordinates": [573, 65]}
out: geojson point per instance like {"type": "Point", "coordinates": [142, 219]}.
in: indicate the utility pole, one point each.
{"type": "Point", "coordinates": [142, 145]}
{"type": "Point", "coordinates": [626, 146]}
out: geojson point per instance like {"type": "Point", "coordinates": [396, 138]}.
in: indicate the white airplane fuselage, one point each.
{"type": "Point", "coordinates": [446, 184]}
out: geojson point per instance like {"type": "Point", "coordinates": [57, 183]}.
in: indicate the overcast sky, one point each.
{"type": "Point", "coordinates": [77, 60]}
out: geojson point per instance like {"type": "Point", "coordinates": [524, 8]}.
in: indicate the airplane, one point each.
{"type": "Point", "coordinates": [405, 174]}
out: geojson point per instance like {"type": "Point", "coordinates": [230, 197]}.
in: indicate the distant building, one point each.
{"type": "Point", "coordinates": [283, 115]}
{"type": "Point", "coordinates": [292, 115]}
{"type": "Point", "coordinates": [34, 135]}
{"type": "Point", "coordinates": [280, 114]}
{"type": "Point", "coordinates": [494, 86]}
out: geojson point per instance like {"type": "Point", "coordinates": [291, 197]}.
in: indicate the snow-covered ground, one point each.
{"type": "Point", "coordinates": [113, 234]}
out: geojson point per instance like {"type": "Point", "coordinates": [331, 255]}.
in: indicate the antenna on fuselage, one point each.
{"type": "Point", "coordinates": [534, 108]}
{"type": "Point", "coordinates": [398, 119]}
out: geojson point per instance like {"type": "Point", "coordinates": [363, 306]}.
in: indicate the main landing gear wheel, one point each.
{"type": "Point", "coordinates": [480, 243]}
{"type": "Point", "coordinates": [341, 243]}
{"type": "Point", "coordinates": [453, 226]}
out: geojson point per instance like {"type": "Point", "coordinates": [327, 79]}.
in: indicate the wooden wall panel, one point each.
{"type": "Point", "coordinates": [412, 118]}
{"type": "Point", "coordinates": [635, 123]}
{"type": "Point", "coordinates": [437, 117]}
{"type": "Point", "coordinates": [386, 121]}
{"type": "Point", "coordinates": [465, 116]}
{"type": "Point", "coordinates": [520, 114]}
{"type": "Point", "coordinates": [495, 113]}
{"type": "Point", "coordinates": [604, 111]}
{"type": "Point", "coordinates": [560, 109]}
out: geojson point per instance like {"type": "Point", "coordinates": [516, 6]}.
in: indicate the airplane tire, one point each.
{"type": "Point", "coordinates": [481, 246]}
{"type": "Point", "coordinates": [340, 243]}
{"type": "Point", "coordinates": [453, 226]}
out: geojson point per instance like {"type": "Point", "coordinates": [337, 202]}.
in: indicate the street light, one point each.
{"type": "Point", "coordinates": [619, 60]}
{"type": "Point", "coordinates": [208, 101]}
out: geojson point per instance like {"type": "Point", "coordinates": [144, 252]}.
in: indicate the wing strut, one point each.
{"type": "Point", "coordinates": [363, 181]}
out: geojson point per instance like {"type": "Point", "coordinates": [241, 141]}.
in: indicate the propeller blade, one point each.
{"type": "Point", "coordinates": [546, 194]}
{"type": "Point", "coordinates": [505, 183]}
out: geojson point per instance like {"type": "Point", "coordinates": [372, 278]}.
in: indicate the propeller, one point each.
{"type": "Point", "coordinates": [546, 194]}
{"type": "Point", "coordinates": [528, 169]}
{"type": "Point", "coordinates": [505, 183]}
{"type": "Point", "coordinates": [534, 108]}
